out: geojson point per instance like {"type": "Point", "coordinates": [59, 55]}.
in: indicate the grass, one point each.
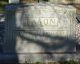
{"type": "Point", "coordinates": [2, 5]}
{"type": "Point", "coordinates": [56, 62]}
{"type": "Point", "coordinates": [2, 10]}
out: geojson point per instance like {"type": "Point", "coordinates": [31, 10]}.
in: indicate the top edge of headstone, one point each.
{"type": "Point", "coordinates": [48, 4]}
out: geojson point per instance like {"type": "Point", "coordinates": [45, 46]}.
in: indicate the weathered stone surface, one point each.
{"type": "Point", "coordinates": [41, 26]}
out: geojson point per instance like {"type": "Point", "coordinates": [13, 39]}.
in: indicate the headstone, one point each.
{"type": "Point", "coordinates": [14, 1]}
{"type": "Point", "coordinates": [41, 30]}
